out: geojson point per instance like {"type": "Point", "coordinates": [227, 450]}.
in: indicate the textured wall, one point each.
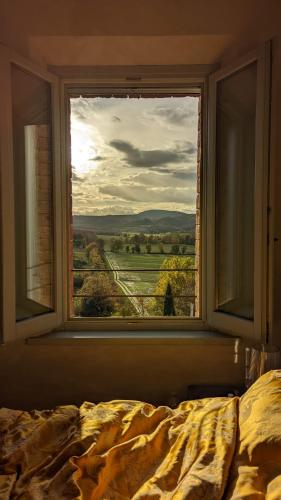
{"type": "Point", "coordinates": [133, 32]}
{"type": "Point", "coordinates": [41, 376]}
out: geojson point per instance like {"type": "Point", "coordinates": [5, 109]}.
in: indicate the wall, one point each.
{"type": "Point", "coordinates": [42, 376]}
{"type": "Point", "coordinates": [131, 32]}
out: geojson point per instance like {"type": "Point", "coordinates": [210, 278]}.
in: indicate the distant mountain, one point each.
{"type": "Point", "coordinates": [150, 221]}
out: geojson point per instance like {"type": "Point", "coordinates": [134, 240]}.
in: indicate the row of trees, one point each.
{"type": "Point", "coordinates": [117, 245]}
{"type": "Point", "coordinates": [82, 239]}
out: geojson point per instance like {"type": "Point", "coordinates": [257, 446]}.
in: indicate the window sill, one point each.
{"type": "Point", "coordinates": [135, 337]}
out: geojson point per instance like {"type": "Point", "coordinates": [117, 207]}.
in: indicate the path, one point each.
{"type": "Point", "coordinates": [124, 288]}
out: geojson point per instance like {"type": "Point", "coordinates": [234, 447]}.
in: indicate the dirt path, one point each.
{"type": "Point", "coordinates": [124, 288]}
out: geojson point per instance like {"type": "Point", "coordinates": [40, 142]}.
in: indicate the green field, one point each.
{"type": "Point", "coordinates": [137, 282]}
{"type": "Point", "coordinates": [130, 281]}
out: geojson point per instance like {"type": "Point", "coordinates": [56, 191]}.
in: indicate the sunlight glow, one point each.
{"type": "Point", "coordinates": [83, 150]}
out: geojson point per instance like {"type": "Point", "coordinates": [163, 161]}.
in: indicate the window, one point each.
{"type": "Point", "coordinates": [134, 224]}
{"type": "Point", "coordinates": [76, 204]}
{"type": "Point", "coordinates": [30, 191]}
{"type": "Point", "coordinates": [235, 214]}
{"type": "Point", "coordinates": [238, 183]}
{"type": "Point", "coordinates": [33, 194]}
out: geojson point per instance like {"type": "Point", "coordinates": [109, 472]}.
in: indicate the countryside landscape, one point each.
{"type": "Point", "coordinates": [134, 265]}
{"type": "Point", "coordinates": [134, 187]}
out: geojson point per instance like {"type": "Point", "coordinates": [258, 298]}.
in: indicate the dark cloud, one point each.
{"type": "Point", "coordinates": [116, 119]}
{"type": "Point", "coordinates": [175, 115]}
{"type": "Point", "coordinates": [190, 175]}
{"type": "Point", "coordinates": [97, 158]}
{"type": "Point", "coordinates": [143, 194]}
{"type": "Point", "coordinates": [75, 177]}
{"type": "Point", "coordinates": [149, 158]}
{"type": "Point", "coordinates": [189, 148]}
{"type": "Point", "coordinates": [78, 114]}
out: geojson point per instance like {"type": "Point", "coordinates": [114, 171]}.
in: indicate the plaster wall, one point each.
{"type": "Point", "coordinates": [130, 32]}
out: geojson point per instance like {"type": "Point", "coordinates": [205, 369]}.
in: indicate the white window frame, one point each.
{"type": "Point", "coordinates": [13, 329]}
{"type": "Point", "coordinates": [256, 330]}
{"type": "Point", "coordinates": [151, 82]}
{"type": "Point", "coordinates": [169, 77]}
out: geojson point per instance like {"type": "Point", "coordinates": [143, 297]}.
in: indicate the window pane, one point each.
{"type": "Point", "coordinates": [32, 142]}
{"type": "Point", "coordinates": [235, 181]}
{"type": "Point", "coordinates": [135, 188]}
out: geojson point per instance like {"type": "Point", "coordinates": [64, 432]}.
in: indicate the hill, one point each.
{"type": "Point", "coordinates": [150, 221]}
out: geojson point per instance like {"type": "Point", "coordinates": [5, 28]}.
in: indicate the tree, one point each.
{"type": "Point", "coordinates": [137, 248]}
{"type": "Point", "coordinates": [182, 282]}
{"type": "Point", "coordinates": [95, 258]}
{"type": "Point", "coordinates": [116, 244]}
{"type": "Point", "coordinates": [78, 281]}
{"type": "Point", "coordinates": [100, 244]}
{"type": "Point", "coordinates": [161, 248]}
{"type": "Point", "coordinates": [79, 263]}
{"type": "Point", "coordinates": [169, 308]}
{"type": "Point", "coordinates": [135, 239]}
{"type": "Point", "coordinates": [90, 247]}
{"type": "Point", "coordinates": [175, 249]}
{"type": "Point", "coordinates": [99, 302]}
{"type": "Point", "coordinates": [148, 248]}
{"type": "Point", "coordinates": [78, 240]}
{"type": "Point", "coordinates": [127, 248]}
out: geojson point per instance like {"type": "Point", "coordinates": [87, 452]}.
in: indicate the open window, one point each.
{"type": "Point", "coordinates": [237, 195]}
{"type": "Point", "coordinates": [30, 194]}
{"type": "Point", "coordinates": [217, 237]}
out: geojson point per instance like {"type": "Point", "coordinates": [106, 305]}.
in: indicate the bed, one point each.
{"type": "Point", "coordinates": [215, 448]}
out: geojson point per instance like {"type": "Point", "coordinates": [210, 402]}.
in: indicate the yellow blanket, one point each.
{"type": "Point", "coordinates": [118, 450]}
{"type": "Point", "coordinates": [125, 450]}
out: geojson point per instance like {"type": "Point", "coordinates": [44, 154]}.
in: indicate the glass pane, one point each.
{"type": "Point", "coordinates": [135, 205]}
{"type": "Point", "coordinates": [32, 143]}
{"type": "Point", "coordinates": [235, 181]}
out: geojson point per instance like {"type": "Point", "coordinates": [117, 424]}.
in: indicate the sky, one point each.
{"type": "Point", "coordinates": [133, 154]}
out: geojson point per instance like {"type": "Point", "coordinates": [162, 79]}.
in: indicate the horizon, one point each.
{"type": "Point", "coordinates": [134, 213]}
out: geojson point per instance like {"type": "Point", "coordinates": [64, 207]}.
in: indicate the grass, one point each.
{"type": "Point", "coordinates": [137, 282]}
{"type": "Point", "coordinates": [132, 282]}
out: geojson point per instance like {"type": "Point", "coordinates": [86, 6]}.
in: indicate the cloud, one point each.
{"type": "Point", "coordinates": [188, 148]}
{"type": "Point", "coordinates": [169, 178]}
{"type": "Point", "coordinates": [116, 119]}
{"type": "Point", "coordinates": [175, 115]}
{"type": "Point", "coordinates": [78, 115]}
{"type": "Point", "coordinates": [189, 175]}
{"type": "Point", "coordinates": [97, 158]}
{"type": "Point", "coordinates": [153, 195]}
{"type": "Point", "coordinates": [75, 177]}
{"type": "Point", "coordinates": [150, 158]}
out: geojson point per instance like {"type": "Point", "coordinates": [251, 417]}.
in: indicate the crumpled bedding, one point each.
{"type": "Point", "coordinates": [132, 450]}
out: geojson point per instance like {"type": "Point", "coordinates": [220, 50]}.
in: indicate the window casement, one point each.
{"type": "Point", "coordinates": [30, 198]}
{"type": "Point", "coordinates": [36, 198]}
